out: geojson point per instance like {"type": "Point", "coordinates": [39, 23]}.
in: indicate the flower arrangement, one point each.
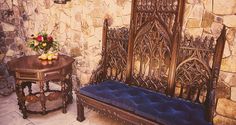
{"type": "Point", "coordinates": [42, 43]}
{"type": "Point", "coordinates": [45, 45]}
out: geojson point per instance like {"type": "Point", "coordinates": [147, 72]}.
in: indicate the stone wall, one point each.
{"type": "Point", "coordinates": [205, 17]}
{"type": "Point", "coordinates": [77, 25]}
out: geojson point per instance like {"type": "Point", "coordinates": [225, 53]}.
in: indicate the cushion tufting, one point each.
{"type": "Point", "coordinates": [143, 102]}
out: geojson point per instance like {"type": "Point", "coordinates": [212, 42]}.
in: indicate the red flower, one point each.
{"type": "Point", "coordinates": [40, 38]}
{"type": "Point", "coordinates": [49, 38]}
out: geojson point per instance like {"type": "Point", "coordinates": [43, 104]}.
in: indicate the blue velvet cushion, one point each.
{"type": "Point", "coordinates": [152, 105]}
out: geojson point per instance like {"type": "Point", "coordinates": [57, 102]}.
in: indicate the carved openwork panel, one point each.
{"type": "Point", "coordinates": [153, 37]}
{"type": "Point", "coordinates": [164, 10]}
{"type": "Point", "coordinates": [193, 72]}
{"type": "Point", "coordinates": [152, 57]}
{"type": "Point", "coordinates": [114, 57]}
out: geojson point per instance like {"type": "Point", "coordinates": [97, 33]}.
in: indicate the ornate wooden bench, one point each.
{"type": "Point", "coordinates": [150, 74]}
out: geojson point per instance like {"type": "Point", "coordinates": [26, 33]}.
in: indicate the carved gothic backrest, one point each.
{"type": "Point", "coordinates": [193, 72]}
{"type": "Point", "coordinates": [117, 51]}
{"type": "Point", "coordinates": [114, 56]}
{"type": "Point", "coordinates": [153, 26]}
{"type": "Point", "coordinates": [165, 12]}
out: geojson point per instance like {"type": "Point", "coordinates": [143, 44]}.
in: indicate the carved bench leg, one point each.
{"type": "Point", "coordinates": [80, 110]}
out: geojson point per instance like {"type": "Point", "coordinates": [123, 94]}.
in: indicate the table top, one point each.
{"type": "Point", "coordinates": [33, 64]}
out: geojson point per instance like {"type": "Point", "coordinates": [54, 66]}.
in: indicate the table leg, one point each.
{"type": "Point", "coordinates": [42, 97]}
{"type": "Point", "coordinates": [47, 86]}
{"type": "Point", "coordinates": [63, 90]}
{"type": "Point", "coordinates": [20, 97]}
{"type": "Point", "coordinates": [70, 86]}
{"type": "Point", "coordinates": [30, 88]}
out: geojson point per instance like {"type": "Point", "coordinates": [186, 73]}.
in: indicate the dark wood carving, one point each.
{"type": "Point", "coordinates": [194, 68]}
{"type": "Point", "coordinates": [158, 58]}
{"type": "Point", "coordinates": [114, 55]}
{"type": "Point", "coordinates": [153, 32]}
{"type": "Point", "coordinates": [210, 103]}
{"type": "Point", "coordinates": [29, 69]}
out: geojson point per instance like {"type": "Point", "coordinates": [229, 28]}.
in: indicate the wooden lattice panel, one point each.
{"type": "Point", "coordinates": [153, 37]}
{"type": "Point", "coordinates": [193, 72]}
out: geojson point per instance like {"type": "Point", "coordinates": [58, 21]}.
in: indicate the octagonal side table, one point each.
{"type": "Point", "coordinates": [30, 70]}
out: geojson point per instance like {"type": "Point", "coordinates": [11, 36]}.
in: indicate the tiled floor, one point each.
{"type": "Point", "coordinates": [10, 115]}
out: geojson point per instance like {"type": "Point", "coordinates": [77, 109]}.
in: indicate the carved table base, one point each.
{"type": "Point", "coordinates": [43, 101]}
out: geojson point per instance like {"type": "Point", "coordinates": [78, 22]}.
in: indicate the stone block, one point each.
{"type": "Point", "coordinates": [78, 16]}
{"type": "Point", "coordinates": [229, 20]}
{"type": "Point", "coordinates": [231, 35]}
{"type": "Point", "coordinates": [2, 35]}
{"type": "Point", "coordinates": [230, 111]}
{"type": "Point", "coordinates": [1, 28]}
{"type": "Point", "coordinates": [77, 37]}
{"type": "Point", "coordinates": [228, 78]}
{"type": "Point", "coordinates": [223, 7]}
{"type": "Point", "coordinates": [194, 31]}
{"type": "Point", "coordinates": [126, 10]}
{"type": "Point", "coordinates": [221, 120]}
{"type": "Point", "coordinates": [193, 1]}
{"type": "Point", "coordinates": [228, 64]}
{"type": "Point", "coordinates": [97, 22]}
{"type": "Point", "coordinates": [7, 27]}
{"type": "Point", "coordinates": [97, 12]}
{"type": "Point", "coordinates": [75, 52]}
{"type": "Point", "coordinates": [121, 2]}
{"type": "Point", "coordinates": [14, 47]}
{"type": "Point", "coordinates": [222, 90]}
{"type": "Point", "coordinates": [197, 11]}
{"type": "Point", "coordinates": [10, 53]}
{"type": "Point", "coordinates": [126, 20]}
{"type": "Point", "coordinates": [9, 41]}
{"type": "Point", "coordinates": [84, 78]}
{"type": "Point", "coordinates": [47, 3]}
{"type": "Point", "coordinates": [227, 51]}
{"type": "Point", "coordinates": [187, 11]}
{"type": "Point", "coordinates": [233, 93]}
{"type": "Point", "coordinates": [10, 34]}
{"type": "Point", "coordinates": [208, 5]}
{"type": "Point", "coordinates": [207, 19]}
{"type": "Point", "coordinates": [65, 17]}
{"type": "Point", "coordinates": [207, 32]}
{"type": "Point", "coordinates": [117, 22]}
{"type": "Point", "coordinates": [15, 2]}
{"type": "Point", "coordinates": [193, 23]}
{"type": "Point", "coordinates": [216, 29]}
{"type": "Point", "coordinates": [86, 29]}
{"type": "Point", "coordinates": [98, 34]}
{"type": "Point", "coordinates": [1, 56]}
{"type": "Point", "coordinates": [83, 2]}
